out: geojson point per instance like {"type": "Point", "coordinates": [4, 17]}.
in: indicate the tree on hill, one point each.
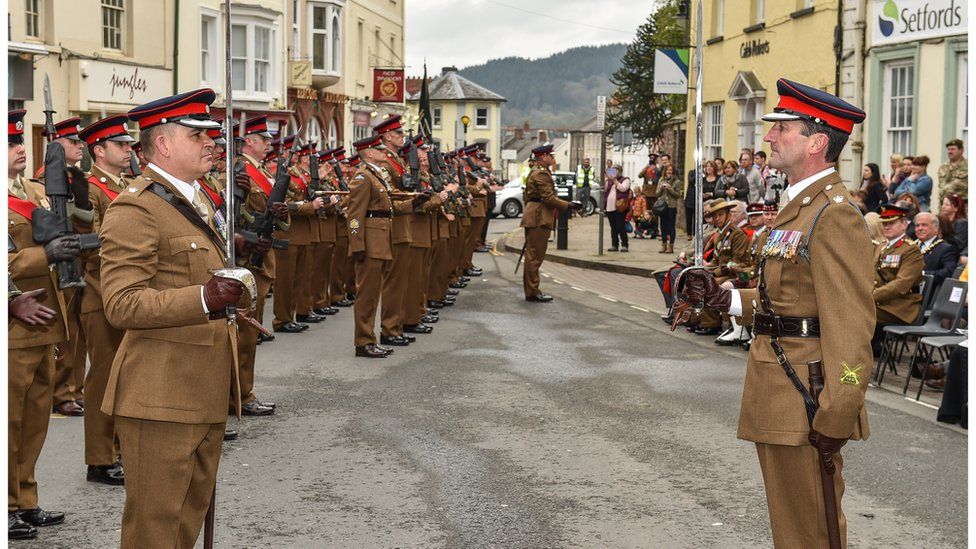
{"type": "Point", "coordinates": [637, 106]}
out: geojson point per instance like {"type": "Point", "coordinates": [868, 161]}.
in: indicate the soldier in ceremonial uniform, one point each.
{"type": "Point", "coordinates": [539, 220]}
{"type": "Point", "coordinates": [110, 146]}
{"type": "Point", "coordinates": [342, 285]}
{"type": "Point", "coordinates": [731, 264]}
{"type": "Point", "coordinates": [898, 267]}
{"type": "Point", "coordinates": [390, 132]}
{"type": "Point", "coordinates": [370, 217]}
{"type": "Point", "coordinates": [324, 238]}
{"type": "Point", "coordinates": [175, 366]}
{"type": "Point", "coordinates": [30, 348]}
{"type": "Point", "coordinates": [814, 303]}
{"type": "Point", "coordinates": [253, 147]}
{"type": "Point", "coordinates": [69, 377]}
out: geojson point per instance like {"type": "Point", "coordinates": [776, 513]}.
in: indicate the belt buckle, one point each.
{"type": "Point", "coordinates": [804, 328]}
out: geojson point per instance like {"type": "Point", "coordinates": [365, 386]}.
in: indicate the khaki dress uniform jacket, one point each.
{"type": "Point", "coordinates": [368, 192]}
{"type": "Point", "coordinates": [174, 368]}
{"type": "Point", "coordinates": [897, 273]}
{"type": "Point", "coordinates": [538, 220]}
{"type": "Point", "coordinates": [828, 275]}
{"type": "Point", "coordinates": [397, 279]}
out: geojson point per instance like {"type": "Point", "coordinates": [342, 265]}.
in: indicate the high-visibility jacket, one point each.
{"type": "Point", "coordinates": [581, 174]}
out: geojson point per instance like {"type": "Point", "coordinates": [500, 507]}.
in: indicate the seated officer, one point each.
{"type": "Point", "coordinates": [898, 270]}
{"type": "Point", "coordinates": [731, 257]}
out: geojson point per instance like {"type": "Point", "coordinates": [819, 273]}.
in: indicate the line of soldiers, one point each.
{"type": "Point", "coordinates": [393, 226]}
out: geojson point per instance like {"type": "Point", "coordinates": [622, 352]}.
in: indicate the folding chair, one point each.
{"type": "Point", "coordinates": [928, 346]}
{"type": "Point", "coordinates": [893, 347]}
{"type": "Point", "coordinates": [946, 311]}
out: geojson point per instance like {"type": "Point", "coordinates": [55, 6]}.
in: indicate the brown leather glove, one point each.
{"type": "Point", "coordinates": [280, 210]}
{"type": "Point", "coordinates": [359, 256]}
{"type": "Point", "coordinates": [263, 245]}
{"type": "Point", "coordinates": [27, 308]}
{"type": "Point", "coordinates": [700, 286]}
{"type": "Point", "coordinates": [826, 447]}
{"type": "Point", "coordinates": [220, 292]}
{"type": "Point", "coordinates": [243, 181]}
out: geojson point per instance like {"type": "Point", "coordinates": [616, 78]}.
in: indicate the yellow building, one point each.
{"type": "Point", "coordinates": [374, 38]}
{"type": "Point", "coordinates": [749, 44]}
{"type": "Point", "coordinates": [454, 97]}
{"type": "Point", "coordinates": [97, 60]}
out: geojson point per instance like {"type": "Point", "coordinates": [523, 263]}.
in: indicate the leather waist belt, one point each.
{"type": "Point", "coordinates": [786, 326]}
{"type": "Point", "coordinates": [378, 213]}
{"type": "Point", "coordinates": [535, 200]}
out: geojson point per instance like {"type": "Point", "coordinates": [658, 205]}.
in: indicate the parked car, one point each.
{"type": "Point", "coordinates": [510, 201]}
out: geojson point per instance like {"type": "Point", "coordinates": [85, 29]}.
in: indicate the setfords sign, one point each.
{"type": "Point", "coordinates": [894, 21]}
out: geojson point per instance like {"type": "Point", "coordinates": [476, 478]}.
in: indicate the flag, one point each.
{"type": "Point", "coordinates": [425, 123]}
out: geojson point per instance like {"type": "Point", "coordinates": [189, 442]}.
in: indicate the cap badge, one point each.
{"type": "Point", "coordinates": [20, 125]}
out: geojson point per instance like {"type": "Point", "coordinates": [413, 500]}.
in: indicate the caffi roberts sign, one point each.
{"type": "Point", "coordinates": [895, 21]}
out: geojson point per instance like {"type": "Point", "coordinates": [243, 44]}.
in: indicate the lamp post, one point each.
{"type": "Point", "coordinates": [465, 121]}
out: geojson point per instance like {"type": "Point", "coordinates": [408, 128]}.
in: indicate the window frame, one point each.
{"type": "Point", "coordinates": [713, 128]}
{"type": "Point", "coordinates": [907, 103]}
{"type": "Point", "coordinates": [213, 49]}
{"type": "Point", "coordinates": [332, 59]}
{"type": "Point", "coordinates": [718, 17]}
{"type": "Point", "coordinates": [118, 8]}
{"type": "Point", "coordinates": [436, 116]}
{"type": "Point", "coordinates": [962, 98]}
{"type": "Point", "coordinates": [487, 124]}
{"type": "Point", "coordinates": [38, 17]}
{"type": "Point", "coordinates": [250, 92]}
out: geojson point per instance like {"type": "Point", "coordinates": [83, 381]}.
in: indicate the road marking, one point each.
{"type": "Point", "coordinates": [577, 288]}
{"type": "Point", "coordinates": [608, 298]}
{"type": "Point", "coordinates": [547, 275]}
{"type": "Point", "coordinates": [558, 281]}
{"type": "Point", "coordinates": [641, 309]}
{"type": "Point", "coordinates": [926, 404]}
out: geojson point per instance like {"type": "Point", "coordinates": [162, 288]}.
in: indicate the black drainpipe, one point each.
{"type": "Point", "coordinates": [176, 50]}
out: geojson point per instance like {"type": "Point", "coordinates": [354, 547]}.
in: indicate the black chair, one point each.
{"type": "Point", "coordinates": [946, 312]}
{"type": "Point", "coordinates": [894, 347]}
{"type": "Point", "coordinates": [928, 346]}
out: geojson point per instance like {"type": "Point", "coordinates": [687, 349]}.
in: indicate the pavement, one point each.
{"type": "Point", "coordinates": [578, 423]}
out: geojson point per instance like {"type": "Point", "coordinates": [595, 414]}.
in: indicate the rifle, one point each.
{"type": "Point", "coordinates": [54, 223]}
{"type": "Point", "coordinates": [264, 223]}
{"type": "Point", "coordinates": [316, 184]}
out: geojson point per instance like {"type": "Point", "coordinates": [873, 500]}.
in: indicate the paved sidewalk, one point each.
{"type": "Point", "coordinates": [642, 259]}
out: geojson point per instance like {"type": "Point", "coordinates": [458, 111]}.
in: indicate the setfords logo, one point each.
{"type": "Point", "coordinates": [920, 18]}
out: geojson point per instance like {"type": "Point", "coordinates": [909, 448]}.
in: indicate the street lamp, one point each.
{"type": "Point", "coordinates": [465, 121]}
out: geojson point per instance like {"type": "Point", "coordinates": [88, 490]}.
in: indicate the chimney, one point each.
{"type": "Point", "coordinates": [543, 136]}
{"type": "Point", "coordinates": [519, 134]}
{"type": "Point", "coordinates": [449, 69]}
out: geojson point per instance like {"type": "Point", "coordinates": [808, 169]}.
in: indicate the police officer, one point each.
{"type": "Point", "coordinates": [814, 303]}
{"type": "Point", "coordinates": [539, 219]}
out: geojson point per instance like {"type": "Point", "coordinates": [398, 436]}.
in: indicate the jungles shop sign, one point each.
{"type": "Point", "coordinates": [894, 21]}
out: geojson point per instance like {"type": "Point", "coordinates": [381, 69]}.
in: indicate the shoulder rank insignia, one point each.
{"type": "Point", "coordinates": [838, 199]}
{"type": "Point", "coordinates": [851, 376]}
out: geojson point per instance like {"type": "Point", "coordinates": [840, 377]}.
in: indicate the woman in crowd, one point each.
{"type": "Point", "coordinates": [617, 189]}
{"type": "Point", "coordinates": [918, 183]}
{"type": "Point", "coordinates": [669, 189]}
{"type": "Point", "coordinates": [898, 177]}
{"type": "Point", "coordinates": [874, 188]}
{"type": "Point", "coordinates": [647, 192]}
{"type": "Point", "coordinates": [954, 209]}
{"type": "Point", "coordinates": [731, 184]}
{"type": "Point", "coordinates": [708, 190]}
{"type": "Point", "coordinates": [895, 175]}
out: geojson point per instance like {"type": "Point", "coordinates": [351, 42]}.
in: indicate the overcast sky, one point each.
{"type": "Point", "coordinates": [469, 32]}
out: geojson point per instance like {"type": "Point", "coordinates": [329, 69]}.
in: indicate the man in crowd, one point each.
{"type": "Point", "coordinates": [814, 303]}
{"type": "Point", "coordinates": [757, 187]}
{"type": "Point", "coordinates": [585, 176]}
{"type": "Point", "coordinates": [954, 174]}
{"type": "Point", "coordinates": [898, 268]}
{"type": "Point", "coordinates": [941, 257]}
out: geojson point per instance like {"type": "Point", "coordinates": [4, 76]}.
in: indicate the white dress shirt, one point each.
{"type": "Point", "coordinates": [793, 191]}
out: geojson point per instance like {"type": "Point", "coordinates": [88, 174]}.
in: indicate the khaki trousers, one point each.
{"type": "Point", "coordinates": [287, 282]}
{"type": "Point", "coordinates": [394, 287]}
{"type": "Point", "coordinates": [536, 243]}
{"type": "Point", "coordinates": [69, 371]}
{"type": "Point", "coordinates": [437, 280]}
{"type": "Point", "coordinates": [170, 473]}
{"type": "Point", "coordinates": [30, 378]}
{"type": "Point", "coordinates": [341, 267]}
{"type": "Point", "coordinates": [471, 240]}
{"type": "Point", "coordinates": [103, 340]}
{"type": "Point", "coordinates": [414, 299]}
{"type": "Point", "coordinates": [321, 279]}
{"type": "Point", "coordinates": [794, 496]}
{"type": "Point", "coordinates": [461, 258]}
{"type": "Point", "coordinates": [247, 341]}
{"type": "Point", "coordinates": [302, 294]}
{"type": "Point", "coordinates": [370, 274]}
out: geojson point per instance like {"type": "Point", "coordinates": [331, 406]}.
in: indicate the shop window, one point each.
{"type": "Point", "coordinates": [898, 103]}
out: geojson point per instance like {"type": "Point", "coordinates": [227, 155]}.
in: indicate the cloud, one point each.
{"type": "Point", "coordinates": [470, 32]}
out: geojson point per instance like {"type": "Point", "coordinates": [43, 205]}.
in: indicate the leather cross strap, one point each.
{"type": "Point", "coordinates": [188, 212]}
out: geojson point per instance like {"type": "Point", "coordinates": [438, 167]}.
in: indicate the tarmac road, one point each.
{"type": "Point", "coordinates": [579, 423]}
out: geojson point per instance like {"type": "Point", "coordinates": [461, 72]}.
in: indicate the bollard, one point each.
{"type": "Point", "coordinates": [562, 227]}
